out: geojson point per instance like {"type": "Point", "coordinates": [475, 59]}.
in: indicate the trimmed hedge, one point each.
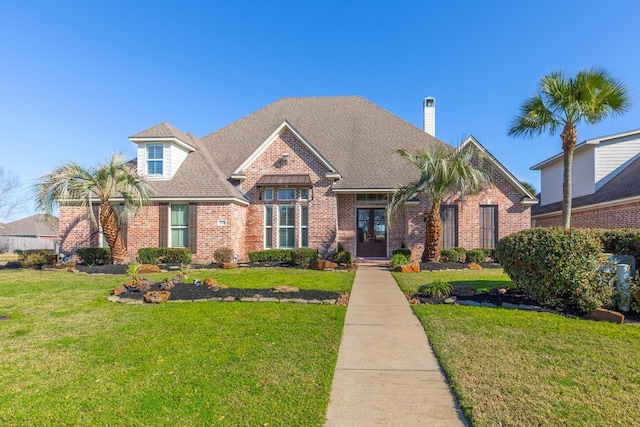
{"type": "Point", "coordinates": [398, 259]}
{"type": "Point", "coordinates": [223, 255]}
{"type": "Point", "coordinates": [557, 266]}
{"type": "Point", "coordinates": [623, 241]}
{"type": "Point", "coordinates": [476, 255]}
{"type": "Point", "coordinates": [164, 255]}
{"type": "Point", "coordinates": [302, 257]}
{"type": "Point", "coordinates": [449, 255]}
{"type": "Point", "coordinates": [403, 251]}
{"type": "Point", "coordinates": [342, 257]}
{"type": "Point", "coordinates": [36, 257]}
{"type": "Point", "coordinates": [97, 256]}
{"type": "Point", "coordinates": [271, 255]}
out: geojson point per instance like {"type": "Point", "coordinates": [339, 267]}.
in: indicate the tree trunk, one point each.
{"type": "Point", "coordinates": [569, 139]}
{"type": "Point", "coordinates": [432, 234]}
{"type": "Point", "coordinates": [111, 232]}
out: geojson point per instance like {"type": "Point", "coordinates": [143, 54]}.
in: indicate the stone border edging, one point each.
{"type": "Point", "coordinates": [125, 300]}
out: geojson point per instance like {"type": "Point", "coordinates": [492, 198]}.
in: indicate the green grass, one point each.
{"type": "Point", "coordinates": [482, 280]}
{"type": "Point", "coordinates": [69, 357]}
{"type": "Point", "coordinates": [517, 368]}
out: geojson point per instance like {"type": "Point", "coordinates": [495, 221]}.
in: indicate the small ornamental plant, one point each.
{"type": "Point", "coordinates": [439, 288]}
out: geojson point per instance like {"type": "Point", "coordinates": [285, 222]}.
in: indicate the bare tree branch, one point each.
{"type": "Point", "coordinates": [10, 204]}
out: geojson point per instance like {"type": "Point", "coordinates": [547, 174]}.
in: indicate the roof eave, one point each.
{"type": "Point", "coordinates": [171, 139]}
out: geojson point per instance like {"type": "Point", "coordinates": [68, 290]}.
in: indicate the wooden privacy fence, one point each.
{"type": "Point", "coordinates": [11, 244]}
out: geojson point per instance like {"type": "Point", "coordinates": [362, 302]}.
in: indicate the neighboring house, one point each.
{"type": "Point", "coordinates": [34, 232]}
{"type": "Point", "coordinates": [301, 172]}
{"type": "Point", "coordinates": [606, 184]}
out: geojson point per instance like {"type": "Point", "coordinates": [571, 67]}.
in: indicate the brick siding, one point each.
{"type": "Point", "coordinates": [620, 216]}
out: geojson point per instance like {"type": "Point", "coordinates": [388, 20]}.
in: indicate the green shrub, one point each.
{"type": "Point", "coordinates": [94, 256]}
{"type": "Point", "coordinates": [439, 288]}
{"type": "Point", "coordinates": [556, 266]}
{"type": "Point", "coordinates": [302, 257]}
{"type": "Point", "coordinates": [37, 257]}
{"type": "Point", "coordinates": [462, 253]}
{"type": "Point", "coordinates": [634, 301]}
{"type": "Point", "coordinates": [342, 257]}
{"type": "Point", "coordinates": [271, 255]}
{"type": "Point", "coordinates": [490, 255]}
{"type": "Point", "coordinates": [164, 255]}
{"type": "Point", "coordinates": [404, 251]}
{"type": "Point", "coordinates": [623, 241]}
{"type": "Point", "coordinates": [449, 255]}
{"type": "Point", "coordinates": [398, 259]}
{"type": "Point", "coordinates": [223, 255]}
{"type": "Point", "coordinates": [340, 247]}
{"type": "Point", "coordinates": [475, 255]}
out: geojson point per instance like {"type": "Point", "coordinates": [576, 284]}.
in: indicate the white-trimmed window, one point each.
{"type": "Point", "coordinates": [286, 194]}
{"type": "Point", "coordinates": [179, 228]}
{"type": "Point", "coordinates": [304, 226]}
{"type": "Point", "coordinates": [286, 226]}
{"type": "Point", "coordinates": [268, 194]}
{"type": "Point", "coordinates": [155, 157]}
{"type": "Point", "coordinates": [268, 227]}
{"type": "Point", "coordinates": [304, 194]}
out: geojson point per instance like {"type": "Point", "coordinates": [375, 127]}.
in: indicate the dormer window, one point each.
{"type": "Point", "coordinates": [154, 159]}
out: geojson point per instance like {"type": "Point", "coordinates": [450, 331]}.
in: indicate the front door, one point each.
{"type": "Point", "coordinates": [372, 233]}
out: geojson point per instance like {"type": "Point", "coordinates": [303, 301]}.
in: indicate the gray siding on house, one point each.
{"type": "Point", "coordinates": [613, 156]}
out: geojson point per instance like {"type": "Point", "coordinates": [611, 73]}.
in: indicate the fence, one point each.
{"type": "Point", "coordinates": [10, 243]}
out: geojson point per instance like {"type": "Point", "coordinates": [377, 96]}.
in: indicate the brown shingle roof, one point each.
{"type": "Point", "coordinates": [354, 135]}
{"type": "Point", "coordinates": [35, 225]}
{"type": "Point", "coordinates": [163, 130]}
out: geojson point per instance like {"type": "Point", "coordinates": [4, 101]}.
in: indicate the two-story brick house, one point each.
{"type": "Point", "coordinates": [301, 172]}
{"type": "Point", "coordinates": [606, 184]}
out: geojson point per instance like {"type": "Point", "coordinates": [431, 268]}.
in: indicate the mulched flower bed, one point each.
{"type": "Point", "coordinates": [512, 296]}
{"type": "Point", "coordinates": [434, 266]}
{"type": "Point", "coordinates": [189, 291]}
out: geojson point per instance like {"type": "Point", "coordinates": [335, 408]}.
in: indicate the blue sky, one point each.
{"type": "Point", "coordinates": [78, 77]}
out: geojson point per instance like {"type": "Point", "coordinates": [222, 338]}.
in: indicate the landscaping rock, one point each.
{"type": "Point", "coordinates": [120, 289]}
{"type": "Point", "coordinates": [450, 300]}
{"type": "Point", "coordinates": [475, 266]}
{"type": "Point", "coordinates": [488, 304]}
{"type": "Point", "coordinates": [408, 268]}
{"type": "Point", "coordinates": [143, 285]}
{"type": "Point", "coordinates": [499, 291]}
{"type": "Point", "coordinates": [210, 282]}
{"type": "Point", "coordinates": [156, 297]}
{"type": "Point", "coordinates": [166, 285]}
{"type": "Point", "coordinates": [463, 291]}
{"type": "Point", "coordinates": [148, 268]}
{"type": "Point", "coordinates": [113, 298]}
{"type": "Point", "coordinates": [509, 305]}
{"type": "Point", "coordinates": [283, 288]}
{"type": "Point", "coordinates": [469, 302]}
{"type": "Point", "coordinates": [322, 264]}
{"type": "Point", "coordinates": [529, 307]}
{"type": "Point", "coordinates": [343, 300]}
{"type": "Point", "coordinates": [606, 316]}
{"type": "Point", "coordinates": [177, 279]}
{"type": "Point", "coordinates": [228, 265]}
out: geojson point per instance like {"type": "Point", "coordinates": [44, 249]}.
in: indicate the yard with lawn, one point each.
{"type": "Point", "coordinates": [513, 367]}
{"type": "Point", "coordinates": [70, 357]}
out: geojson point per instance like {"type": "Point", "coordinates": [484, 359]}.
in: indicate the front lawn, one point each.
{"type": "Point", "coordinates": [522, 368]}
{"type": "Point", "coordinates": [69, 357]}
{"type": "Point", "coordinates": [481, 280]}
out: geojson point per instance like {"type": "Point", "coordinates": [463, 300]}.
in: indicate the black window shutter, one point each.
{"type": "Point", "coordinates": [164, 225]}
{"type": "Point", "coordinates": [193, 227]}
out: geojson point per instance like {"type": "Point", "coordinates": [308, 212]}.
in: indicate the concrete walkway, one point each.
{"type": "Point", "coordinates": [387, 374]}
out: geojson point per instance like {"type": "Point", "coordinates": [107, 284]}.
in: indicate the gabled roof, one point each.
{"type": "Point", "coordinates": [164, 131]}
{"type": "Point", "coordinates": [584, 144]}
{"type": "Point", "coordinates": [624, 187]}
{"type": "Point", "coordinates": [36, 225]}
{"type": "Point", "coordinates": [198, 178]}
{"type": "Point", "coordinates": [357, 137]}
{"type": "Point", "coordinates": [527, 197]}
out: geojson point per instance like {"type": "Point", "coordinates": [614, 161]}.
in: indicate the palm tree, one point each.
{"type": "Point", "coordinates": [443, 172]}
{"type": "Point", "coordinates": [71, 183]}
{"type": "Point", "coordinates": [563, 102]}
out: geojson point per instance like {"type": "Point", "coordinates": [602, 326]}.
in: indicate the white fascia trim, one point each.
{"type": "Point", "coordinates": [363, 190]}
{"type": "Point", "coordinates": [516, 183]}
{"type": "Point", "coordinates": [185, 200]}
{"type": "Point", "coordinates": [611, 203]}
{"type": "Point", "coordinates": [239, 176]}
{"type": "Point", "coordinates": [267, 142]}
{"type": "Point", "coordinates": [333, 175]}
{"type": "Point", "coordinates": [155, 140]}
